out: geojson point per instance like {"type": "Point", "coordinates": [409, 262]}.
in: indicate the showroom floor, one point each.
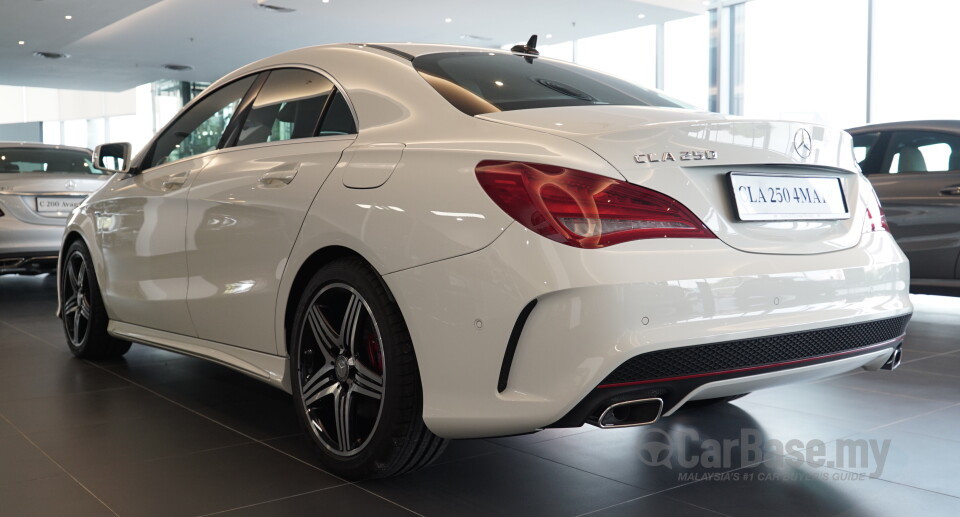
{"type": "Point", "coordinates": [161, 434]}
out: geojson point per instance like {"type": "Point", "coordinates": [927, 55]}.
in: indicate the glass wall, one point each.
{"type": "Point", "coordinates": [686, 62]}
{"type": "Point", "coordinates": [806, 60]}
{"type": "Point", "coordinates": [629, 54]}
{"type": "Point", "coordinates": [915, 75]}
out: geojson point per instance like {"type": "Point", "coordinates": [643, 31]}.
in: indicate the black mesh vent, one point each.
{"type": "Point", "coordinates": [718, 357]}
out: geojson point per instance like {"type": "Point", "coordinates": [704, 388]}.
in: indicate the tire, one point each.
{"type": "Point", "coordinates": [356, 384]}
{"type": "Point", "coordinates": [81, 308]}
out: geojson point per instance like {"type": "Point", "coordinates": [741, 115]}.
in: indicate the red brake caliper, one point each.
{"type": "Point", "coordinates": [373, 353]}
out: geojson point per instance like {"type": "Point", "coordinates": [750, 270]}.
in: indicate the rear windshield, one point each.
{"type": "Point", "coordinates": [486, 82]}
{"type": "Point", "coordinates": [28, 159]}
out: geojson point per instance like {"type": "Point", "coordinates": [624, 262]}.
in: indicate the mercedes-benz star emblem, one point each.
{"type": "Point", "coordinates": [342, 369]}
{"type": "Point", "coordinates": [803, 143]}
{"type": "Point", "coordinates": [71, 185]}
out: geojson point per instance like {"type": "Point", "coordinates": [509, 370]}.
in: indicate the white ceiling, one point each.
{"type": "Point", "coordinates": [117, 44]}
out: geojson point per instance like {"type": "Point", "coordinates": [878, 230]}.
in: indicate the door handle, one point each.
{"type": "Point", "coordinates": [174, 181]}
{"type": "Point", "coordinates": [953, 190]}
{"type": "Point", "coordinates": [278, 178]}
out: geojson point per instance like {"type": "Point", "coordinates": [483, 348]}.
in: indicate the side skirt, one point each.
{"type": "Point", "coordinates": [268, 368]}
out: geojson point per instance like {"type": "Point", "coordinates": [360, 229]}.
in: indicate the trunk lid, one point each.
{"type": "Point", "coordinates": [42, 197]}
{"type": "Point", "coordinates": [690, 155]}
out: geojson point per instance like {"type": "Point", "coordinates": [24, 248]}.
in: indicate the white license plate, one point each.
{"type": "Point", "coordinates": [768, 197]}
{"type": "Point", "coordinates": [58, 204]}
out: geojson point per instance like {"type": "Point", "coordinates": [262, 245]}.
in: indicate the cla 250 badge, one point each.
{"type": "Point", "coordinates": [672, 157]}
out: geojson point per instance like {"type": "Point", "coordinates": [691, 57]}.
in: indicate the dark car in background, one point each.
{"type": "Point", "coordinates": [39, 185]}
{"type": "Point", "coordinates": [915, 169]}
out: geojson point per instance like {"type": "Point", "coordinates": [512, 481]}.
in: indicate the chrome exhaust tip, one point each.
{"type": "Point", "coordinates": [894, 361]}
{"type": "Point", "coordinates": [630, 413]}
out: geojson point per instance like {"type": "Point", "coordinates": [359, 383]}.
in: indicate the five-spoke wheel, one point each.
{"type": "Point", "coordinates": [341, 369]}
{"type": "Point", "coordinates": [76, 299]}
{"type": "Point", "coordinates": [81, 307]}
{"type": "Point", "coordinates": [355, 377]}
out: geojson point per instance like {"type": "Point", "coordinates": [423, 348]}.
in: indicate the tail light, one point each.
{"type": "Point", "coordinates": [584, 210]}
{"type": "Point", "coordinates": [876, 219]}
{"type": "Point", "coordinates": [878, 223]}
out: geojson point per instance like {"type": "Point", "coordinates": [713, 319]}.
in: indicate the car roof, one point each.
{"type": "Point", "coordinates": [38, 145]}
{"type": "Point", "coordinates": [360, 53]}
{"type": "Point", "coordinates": [914, 125]}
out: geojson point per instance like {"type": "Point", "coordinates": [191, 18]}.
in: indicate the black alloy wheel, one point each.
{"type": "Point", "coordinates": [81, 308]}
{"type": "Point", "coordinates": [355, 379]}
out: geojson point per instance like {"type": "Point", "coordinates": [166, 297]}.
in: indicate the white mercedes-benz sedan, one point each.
{"type": "Point", "coordinates": [425, 242]}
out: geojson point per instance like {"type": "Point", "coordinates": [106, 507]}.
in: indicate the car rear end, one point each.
{"type": "Point", "coordinates": [39, 186]}
{"type": "Point", "coordinates": [701, 256]}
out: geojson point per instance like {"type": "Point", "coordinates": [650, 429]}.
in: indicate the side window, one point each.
{"type": "Point", "coordinates": [923, 151]}
{"type": "Point", "coordinates": [862, 144]}
{"type": "Point", "coordinates": [288, 106]}
{"type": "Point", "coordinates": [338, 120]}
{"type": "Point", "coordinates": [199, 129]}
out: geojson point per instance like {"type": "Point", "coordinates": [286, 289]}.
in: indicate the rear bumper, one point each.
{"type": "Point", "coordinates": [28, 248]}
{"type": "Point", "coordinates": [678, 375]}
{"type": "Point", "coordinates": [598, 309]}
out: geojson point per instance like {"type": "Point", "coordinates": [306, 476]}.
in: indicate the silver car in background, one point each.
{"type": "Point", "coordinates": [914, 167]}
{"type": "Point", "coordinates": [39, 185]}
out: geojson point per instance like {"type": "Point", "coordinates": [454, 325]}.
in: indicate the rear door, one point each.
{"type": "Point", "coordinates": [917, 176]}
{"type": "Point", "coordinates": [247, 205]}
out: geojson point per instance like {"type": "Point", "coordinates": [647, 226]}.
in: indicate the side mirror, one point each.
{"type": "Point", "coordinates": [114, 157]}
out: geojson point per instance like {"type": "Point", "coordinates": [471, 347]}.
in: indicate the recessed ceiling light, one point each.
{"type": "Point", "coordinates": [21, 42]}
{"type": "Point", "coordinates": [176, 68]}
{"type": "Point", "coordinates": [326, 1]}
{"type": "Point", "coordinates": [51, 55]}
{"type": "Point", "coordinates": [641, 16]}
{"type": "Point", "coordinates": [448, 20]}
{"type": "Point", "coordinates": [548, 36]}
{"type": "Point", "coordinates": [68, 17]}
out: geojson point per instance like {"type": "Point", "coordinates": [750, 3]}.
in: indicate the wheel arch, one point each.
{"type": "Point", "coordinates": [311, 265]}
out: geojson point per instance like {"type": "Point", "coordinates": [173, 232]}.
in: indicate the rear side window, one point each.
{"type": "Point", "coordinates": [923, 151]}
{"type": "Point", "coordinates": [339, 119]}
{"type": "Point", "coordinates": [485, 82]}
{"type": "Point", "coordinates": [288, 107]}
{"type": "Point", "coordinates": [862, 144]}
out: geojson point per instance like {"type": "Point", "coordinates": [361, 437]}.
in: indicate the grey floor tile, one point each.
{"type": "Point", "coordinates": [943, 424]}
{"type": "Point", "coordinates": [101, 447]}
{"type": "Point", "coordinates": [838, 401]}
{"type": "Point", "coordinates": [22, 461]}
{"type": "Point", "coordinates": [54, 377]}
{"type": "Point", "coordinates": [60, 412]}
{"type": "Point", "coordinates": [909, 383]}
{"type": "Point", "coordinates": [342, 501]}
{"type": "Point", "coordinates": [57, 495]}
{"type": "Point", "coordinates": [657, 505]}
{"type": "Point", "coordinates": [910, 459]}
{"type": "Point", "coordinates": [788, 489]}
{"type": "Point", "coordinates": [943, 364]}
{"type": "Point", "coordinates": [507, 483]}
{"type": "Point", "coordinates": [205, 482]}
